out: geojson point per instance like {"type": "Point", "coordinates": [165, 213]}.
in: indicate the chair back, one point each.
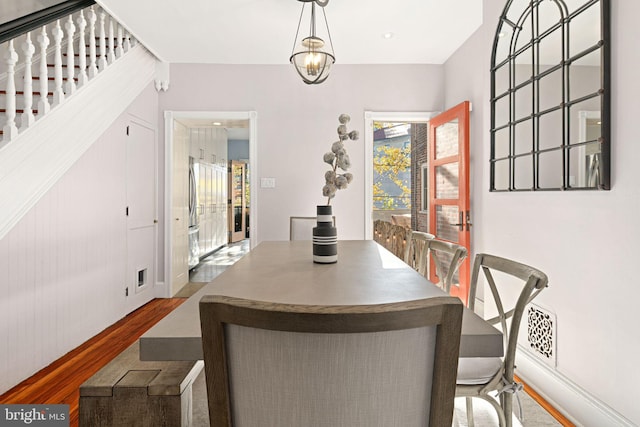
{"type": "Point", "coordinates": [447, 257]}
{"type": "Point", "coordinates": [532, 280]}
{"type": "Point", "coordinates": [301, 227]}
{"type": "Point", "coordinates": [382, 232]}
{"type": "Point", "coordinates": [273, 364]}
{"type": "Point", "coordinates": [416, 251]}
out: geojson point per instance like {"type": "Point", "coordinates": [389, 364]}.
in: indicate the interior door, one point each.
{"type": "Point", "coordinates": [449, 214]}
{"type": "Point", "coordinates": [180, 209]}
{"type": "Point", "coordinates": [141, 214]}
{"type": "Point", "coordinates": [237, 206]}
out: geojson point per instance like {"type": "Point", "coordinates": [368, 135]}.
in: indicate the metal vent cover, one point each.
{"type": "Point", "coordinates": [541, 333]}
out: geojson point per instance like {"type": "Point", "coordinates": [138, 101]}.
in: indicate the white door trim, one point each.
{"type": "Point", "coordinates": [369, 118]}
{"type": "Point", "coordinates": [169, 117]}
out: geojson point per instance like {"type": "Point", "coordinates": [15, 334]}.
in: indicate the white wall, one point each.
{"type": "Point", "coordinates": [584, 241]}
{"type": "Point", "coordinates": [297, 124]}
{"type": "Point", "coordinates": [62, 267]}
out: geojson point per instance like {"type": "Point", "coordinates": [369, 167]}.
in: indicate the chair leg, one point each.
{"type": "Point", "coordinates": [470, 421]}
{"type": "Point", "coordinates": [506, 400]}
{"type": "Point", "coordinates": [496, 406]}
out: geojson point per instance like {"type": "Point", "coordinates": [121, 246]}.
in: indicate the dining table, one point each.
{"type": "Point", "coordinates": [284, 272]}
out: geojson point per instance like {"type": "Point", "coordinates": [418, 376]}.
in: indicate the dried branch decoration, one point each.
{"type": "Point", "coordinates": [338, 158]}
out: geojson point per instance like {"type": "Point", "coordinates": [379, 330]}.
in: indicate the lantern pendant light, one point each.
{"type": "Point", "coordinates": [312, 61]}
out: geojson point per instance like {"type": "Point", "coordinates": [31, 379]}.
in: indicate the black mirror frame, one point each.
{"type": "Point", "coordinates": [604, 168]}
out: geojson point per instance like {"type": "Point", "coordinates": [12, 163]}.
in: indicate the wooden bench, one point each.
{"type": "Point", "coordinates": [130, 392]}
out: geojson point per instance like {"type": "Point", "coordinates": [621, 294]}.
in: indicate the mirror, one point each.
{"type": "Point", "coordinates": [550, 96]}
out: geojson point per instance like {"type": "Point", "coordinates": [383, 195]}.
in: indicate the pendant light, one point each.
{"type": "Point", "coordinates": [312, 61]}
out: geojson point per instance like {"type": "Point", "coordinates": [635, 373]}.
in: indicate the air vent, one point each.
{"type": "Point", "coordinates": [541, 333]}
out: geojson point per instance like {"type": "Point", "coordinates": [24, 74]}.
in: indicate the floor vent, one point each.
{"type": "Point", "coordinates": [541, 333]}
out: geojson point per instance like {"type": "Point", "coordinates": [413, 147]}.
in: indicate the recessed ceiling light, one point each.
{"type": "Point", "coordinates": [387, 35]}
{"type": "Point", "coordinates": [217, 124]}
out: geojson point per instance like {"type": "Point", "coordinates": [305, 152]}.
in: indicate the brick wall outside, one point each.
{"type": "Point", "coordinates": [446, 179]}
{"type": "Point", "coordinates": [419, 157]}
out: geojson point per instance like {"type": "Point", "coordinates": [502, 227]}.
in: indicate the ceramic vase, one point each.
{"type": "Point", "coordinates": [325, 237]}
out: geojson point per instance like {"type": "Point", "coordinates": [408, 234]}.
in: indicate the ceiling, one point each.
{"type": "Point", "coordinates": [263, 31]}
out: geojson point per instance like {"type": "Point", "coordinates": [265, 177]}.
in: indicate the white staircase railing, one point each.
{"type": "Point", "coordinates": [69, 55]}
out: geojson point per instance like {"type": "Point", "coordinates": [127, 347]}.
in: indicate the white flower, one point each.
{"type": "Point", "coordinates": [344, 119]}
{"type": "Point", "coordinates": [329, 158]}
{"type": "Point", "coordinates": [341, 182]}
{"type": "Point", "coordinates": [344, 162]}
{"type": "Point", "coordinates": [329, 191]}
{"type": "Point", "coordinates": [337, 147]}
{"type": "Point", "coordinates": [330, 177]}
{"type": "Point", "coordinates": [348, 177]}
{"type": "Point", "coordinates": [354, 135]}
{"type": "Point", "coordinates": [342, 130]}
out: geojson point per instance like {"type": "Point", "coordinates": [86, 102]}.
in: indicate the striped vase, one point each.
{"type": "Point", "coordinates": [325, 237]}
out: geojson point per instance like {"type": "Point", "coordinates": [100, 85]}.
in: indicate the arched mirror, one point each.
{"type": "Point", "coordinates": [550, 96]}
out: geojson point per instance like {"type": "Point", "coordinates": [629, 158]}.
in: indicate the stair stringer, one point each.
{"type": "Point", "coordinates": [32, 163]}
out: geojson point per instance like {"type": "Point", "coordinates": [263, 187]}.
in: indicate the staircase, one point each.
{"type": "Point", "coordinates": [66, 54]}
{"type": "Point", "coordinates": [61, 86]}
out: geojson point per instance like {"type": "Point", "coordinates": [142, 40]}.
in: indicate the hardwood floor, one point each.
{"type": "Point", "coordinates": [60, 381]}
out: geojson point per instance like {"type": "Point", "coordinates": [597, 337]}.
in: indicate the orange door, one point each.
{"type": "Point", "coordinates": [449, 216]}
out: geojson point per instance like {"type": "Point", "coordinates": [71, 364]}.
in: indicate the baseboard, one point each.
{"type": "Point", "coordinates": [574, 402]}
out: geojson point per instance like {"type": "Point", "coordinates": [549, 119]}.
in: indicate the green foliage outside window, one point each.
{"type": "Point", "coordinates": [389, 164]}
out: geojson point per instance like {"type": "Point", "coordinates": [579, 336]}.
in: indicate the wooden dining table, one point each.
{"type": "Point", "coordinates": [283, 272]}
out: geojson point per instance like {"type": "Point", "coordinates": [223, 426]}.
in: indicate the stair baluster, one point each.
{"type": "Point", "coordinates": [111, 54]}
{"type": "Point", "coordinates": [43, 101]}
{"type": "Point", "coordinates": [82, 50]}
{"type": "Point", "coordinates": [93, 67]}
{"type": "Point", "coordinates": [103, 43]}
{"type": "Point", "coordinates": [27, 117]}
{"type": "Point", "coordinates": [127, 41]}
{"type": "Point", "coordinates": [119, 42]}
{"type": "Point", "coordinates": [10, 130]}
{"type": "Point", "coordinates": [71, 71]}
{"type": "Point", "coordinates": [58, 93]}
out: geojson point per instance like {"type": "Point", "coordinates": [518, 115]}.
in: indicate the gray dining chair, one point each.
{"type": "Point", "coordinates": [447, 258]}
{"type": "Point", "coordinates": [416, 251]}
{"type": "Point", "coordinates": [479, 376]}
{"type": "Point", "coordinates": [272, 365]}
{"type": "Point", "coordinates": [301, 227]}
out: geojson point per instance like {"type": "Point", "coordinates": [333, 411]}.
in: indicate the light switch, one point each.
{"type": "Point", "coordinates": [268, 183]}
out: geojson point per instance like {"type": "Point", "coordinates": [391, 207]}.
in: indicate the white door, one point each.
{"type": "Point", "coordinates": [141, 214]}
{"type": "Point", "coordinates": [180, 208]}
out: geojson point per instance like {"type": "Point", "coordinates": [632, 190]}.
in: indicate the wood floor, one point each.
{"type": "Point", "coordinates": [60, 382]}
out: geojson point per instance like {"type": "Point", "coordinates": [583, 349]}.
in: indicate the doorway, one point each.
{"type": "Point", "coordinates": [443, 178]}
{"type": "Point", "coordinates": [195, 120]}
{"type": "Point", "coordinates": [397, 199]}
